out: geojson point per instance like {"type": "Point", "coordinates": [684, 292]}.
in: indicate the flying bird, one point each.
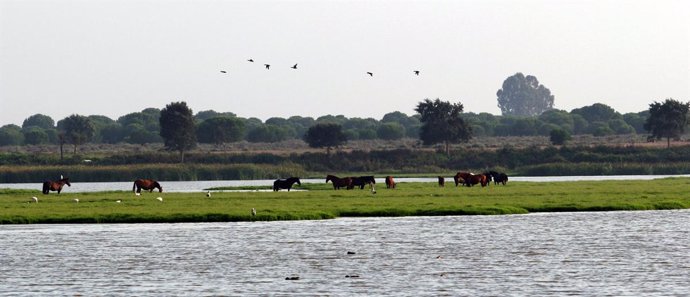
{"type": "Point", "coordinates": [370, 74]}
{"type": "Point", "coordinates": [223, 71]}
{"type": "Point", "coordinates": [416, 72]}
{"type": "Point", "coordinates": [294, 66]}
{"type": "Point", "coordinates": [267, 66]}
{"type": "Point", "coordinates": [251, 60]}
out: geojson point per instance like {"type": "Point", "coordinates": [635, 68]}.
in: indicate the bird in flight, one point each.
{"type": "Point", "coordinates": [267, 66]}
{"type": "Point", "coordinates": [223, 71]}
{"type": "Point", "coordinates": [370, 74]}
{"type": "Point", "coordinates": [294, 66]}
{"type": "Point", "coordinates": [416, 72]}
{"type": "Point", "coordinates": [251, 60]}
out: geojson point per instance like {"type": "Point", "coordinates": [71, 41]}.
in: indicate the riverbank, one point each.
{"type": "Point", "coordinates": [322, 202]}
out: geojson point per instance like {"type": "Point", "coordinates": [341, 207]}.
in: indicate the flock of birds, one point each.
{"type": "Point", "coordinates": [268, 67]}
{"type": "Point", "coordinates": [34, 199]}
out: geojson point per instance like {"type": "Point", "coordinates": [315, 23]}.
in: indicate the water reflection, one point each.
{"type": "Point", "coordinates": [606, 253]}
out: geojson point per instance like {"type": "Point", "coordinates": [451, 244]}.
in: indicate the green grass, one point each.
{"type": "Point", "coordinates": [322, 202]}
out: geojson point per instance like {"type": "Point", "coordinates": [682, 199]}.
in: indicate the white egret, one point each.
{"type": "Point", "coordinates": [160, 199]}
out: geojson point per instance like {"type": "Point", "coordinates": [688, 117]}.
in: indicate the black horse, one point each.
{"type": "Point", "coordinates": [363, 181]}
{"type": "Point", "coordinates": [499, 178]}
{"type": "Point", "coordinates": [285, 183]}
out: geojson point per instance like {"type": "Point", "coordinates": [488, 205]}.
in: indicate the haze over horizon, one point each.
{"type": "Point", "coordinates": [116, 57]}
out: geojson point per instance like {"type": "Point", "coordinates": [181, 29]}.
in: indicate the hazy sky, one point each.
{"type": "Point", "coordinates": [115, 57]}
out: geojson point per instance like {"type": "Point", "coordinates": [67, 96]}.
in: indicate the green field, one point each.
{"type": "Point", "coordinates": [322, 202]}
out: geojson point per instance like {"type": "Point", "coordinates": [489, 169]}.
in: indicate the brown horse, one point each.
{"type": "Point", "coordinates": [477, 179]}
{"type": "Point", "coordinates": [338, 183]}
{"type": "Point", "coordinates": [461, 177]}
{"type": "Point", "coordinates": [390, 183]}
{"type": "Point", "coordinates": [441, 181]}
{"type": "Point", "coordinates": [50, 185]}
{"type": "Point", "coordinates": [146, 184]}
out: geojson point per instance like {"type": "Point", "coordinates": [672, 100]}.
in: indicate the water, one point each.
{"type": "Point", "coordinates": [584, 254]}
{"type": "Point", "coordinates": [197, 186]}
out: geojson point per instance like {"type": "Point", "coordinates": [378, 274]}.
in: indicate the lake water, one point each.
{"type": "Point", "coordinates": [197, 186]}
{"type": "Point", "coordinates": [644, 253]}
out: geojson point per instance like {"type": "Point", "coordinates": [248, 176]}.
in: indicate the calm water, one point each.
{"type": "Point", "coordinates": [197, 186]}
{"type": "Point", "coordinates": [589, 254]}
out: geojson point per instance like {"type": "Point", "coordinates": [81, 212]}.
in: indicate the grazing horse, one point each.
{"type": "Point", "coordinates": [476, 179]}
{"type": "Point", "coordinates": [390, 183]}
{"type": "Point", "coordinates": [363, 181]}
{"type": "Point", "coordinates": [499, 178]}
{"type": "Point", "coordinates": [146, 184]}
{"type": "Point", "coordinates": [338, 183]}
{"type": "Point", "coordinates": [464, 176]}
{"type": "Point", "coordinates": [50, 185]}
{"type": "Point", "coordinates": [285, 183]}
{"type": "Point", "coordinates": [441, 181]}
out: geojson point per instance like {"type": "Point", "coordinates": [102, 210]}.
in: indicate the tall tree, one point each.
{"type": "Point", "coordinates": [667, 119]}
{"type": "Point", "coordinates": [523, 96]}
{"type": "Point", "coordinates": [177, 128]}
{"type": "Point", "coordinates": [76, 130]}
{"type": "Point", "coordinates": [326, 135]}
{"type": "Point", "coordinates": [441, 122]}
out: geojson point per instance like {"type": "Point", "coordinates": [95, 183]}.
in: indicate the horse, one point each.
{"type": "Point", "coordinates": [285, 183]}
{"type": "Point", "coordinates": [338, 183]}
{"type": "Point", "coordinates": [363, 181]}
{"type": "Point", "coordinates": [441, 181]}
{"type": "Point", "coordinates": [50, 185]}
{"type": "Point", "coordinates": [476, 179]}
{"type": "Point", "coordinates": [464, 176]}
{"type": "Point", "coordinates": [146, 184]}
{"type": "Point", "coordinates": [499, 178]}
{"type": "Point", "coordinates": [390, 183]}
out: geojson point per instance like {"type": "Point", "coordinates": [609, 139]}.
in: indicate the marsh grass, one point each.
{"type": "Point", "coordinates": [322, 202]}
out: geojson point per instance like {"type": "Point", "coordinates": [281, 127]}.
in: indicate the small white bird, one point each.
{"type": "Point", "coordinates": [35, 199]}
{"type": "Point", "coordinates": [160, 199]}
{"type": "Point", "coordinates": [76, 200]}
{"type": "Point", "coordinates": [118, 201]}
{"type": "Point", "coordinates": [138, 194]}
{"type": "Point", "coordinates": [253, 212]}
{"type": "Point", "coordinates": [208, 194]}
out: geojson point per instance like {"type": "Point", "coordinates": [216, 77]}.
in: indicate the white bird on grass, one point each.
{"type": "Point", "coordinates": [118, 201]}
{"type": "Point", "coordinates": [138, 194]}
{"type": "Point", "coordinates": [76, 200]}
{"type": "Point", "coordinates": [253, 212]}
{"type": "Point", "coordinates": [34, 199]}
{"type": "Point", "coordinates": [208, 194]}
{"type": "Point", "coordinates": [160, 199]}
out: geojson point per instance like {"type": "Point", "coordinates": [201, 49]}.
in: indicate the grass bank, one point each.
{"type": "Point", "coordinates": [322, 202]}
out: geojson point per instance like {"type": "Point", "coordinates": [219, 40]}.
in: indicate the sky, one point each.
{"type": "Point", "coordinates": [104, 57]}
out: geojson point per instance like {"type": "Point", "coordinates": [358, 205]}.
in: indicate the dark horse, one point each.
{"type": "Point", "coordinates": [499, 178]}
{"type": "Point", "coordinates": [461, 176]}
{"type": "Point", "coordinates": [363, 181]}
{"type": "Point", "coordinates": [146, 184]}
{"type": "Point", "coordinates": [285, 183]}
{"type": "Point", "coordinates": [50, 185]}
{"type": "Point", "coordinates": [338, 183]}
{"type": "Point", "coordinates": [441, 181]}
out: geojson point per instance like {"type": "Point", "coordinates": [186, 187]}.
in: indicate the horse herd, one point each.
{"type": "Point", "coordinates": [465, 178]}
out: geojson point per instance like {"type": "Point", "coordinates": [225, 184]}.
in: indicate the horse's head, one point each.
{"type": "Point", "coordinates": [66, 180]}
{"type": "Point", "coordinates": [487, 175]}
{"type": "Point", "coordinates": [157, 185]}
{"type": "Point", "coordinates": [297, 181]}
{"type": "Point", "coordinates": [329, 178]}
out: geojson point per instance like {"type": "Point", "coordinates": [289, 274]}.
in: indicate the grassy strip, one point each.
{"type": "Point", "coordinates": [322, 202]}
